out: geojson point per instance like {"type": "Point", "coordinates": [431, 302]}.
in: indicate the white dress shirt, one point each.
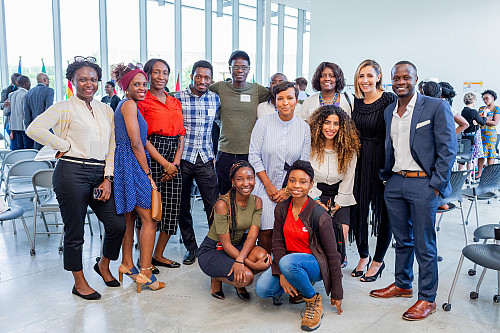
{"type": "Point", "coordinates": [400, 135]}
{"type": "Point", "coordinates": [265, 108]}
{"type": "Point", "coordinates": [76, 131]}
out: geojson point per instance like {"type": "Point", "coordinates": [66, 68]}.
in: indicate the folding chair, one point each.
{"type": "Point", "coordinates": [13, 157]}
{"type": "Point", "coordinates": [45, 202]}
{"type": "Point", "coordinates": [18, 184]}
{"type": "Point", "coordinates": [490, 181]}
{"type": "Point", "coordinates": [457, 181]}
{"type": "Point", "coordinates": [485, 255]}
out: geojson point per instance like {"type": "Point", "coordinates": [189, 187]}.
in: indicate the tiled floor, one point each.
{"type": "Point", "coordinates": [35, 293]}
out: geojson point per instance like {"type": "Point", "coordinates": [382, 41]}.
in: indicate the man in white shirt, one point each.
{"type": "Point", "coordinates": [420, 148]}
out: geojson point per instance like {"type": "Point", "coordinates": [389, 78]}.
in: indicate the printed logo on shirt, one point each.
{"type": "Point", "coordinates": [211, 112]}
{"type": "Point", "coordinates": [245, 98]}
{"type": "Point", "coordinates": [304, 229]}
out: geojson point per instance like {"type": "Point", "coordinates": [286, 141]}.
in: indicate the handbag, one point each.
{"type": "Point", "coordinates": [156, 210]}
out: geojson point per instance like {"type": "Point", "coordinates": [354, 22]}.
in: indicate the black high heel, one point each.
{"type": "Point", "coordinates": [356, 273]}
{"type": "Point", "coordinates": [373, 278]}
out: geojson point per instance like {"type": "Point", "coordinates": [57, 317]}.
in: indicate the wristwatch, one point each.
{"type": "Point", "coordinates": [110, 178]}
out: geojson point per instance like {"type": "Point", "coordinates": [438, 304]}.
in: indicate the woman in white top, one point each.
{"type": "Point", "coordinates": [328, 79]}
{"type": "Point", "coordinates": [277, 141]}
{"type": "Point", "coordinates": [334, 149]}
{"type": "Point", "coordinates": [84, 136]}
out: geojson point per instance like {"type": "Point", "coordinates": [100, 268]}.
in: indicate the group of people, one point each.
{"type": "Point", "coordinates": [376, 158]}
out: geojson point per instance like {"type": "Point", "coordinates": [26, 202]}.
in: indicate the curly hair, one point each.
{"type": "Point", "coordinates": [432, 89]}
{"type": "Point", "coordinates": [491, 92]}
{"type": "Point", "coordinates": [346, 143]}
{"type": "Point", "coordinates": [76, 65]}
{"type": "Point", "coordinates": [339, 76]}
{"type": "Point", "coordinates": [118, 71]}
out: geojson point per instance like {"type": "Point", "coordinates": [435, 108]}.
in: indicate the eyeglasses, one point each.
{"type": "Point", "coordinates": [132, 66]}
{"type": "Point", "coordinates": [240, 68]}
{"type": "Point", "coordinates": [92, 60]}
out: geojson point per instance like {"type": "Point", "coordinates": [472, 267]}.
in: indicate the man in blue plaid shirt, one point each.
{"type": "Point", "coordinates": [199, 108]}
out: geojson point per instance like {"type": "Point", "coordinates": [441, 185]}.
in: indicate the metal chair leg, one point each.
{"type": "Point", "coordinates": [27, 232]}
{"type": "Point", "coordinates": [481, 280]}
{"type": "Point", "coordinates": [438, 227]}
{"type": "Point", "coordinates": [45, 222]}
{"type": "Point", "coordinates": [34, 228]}
{"type": "Point", "coordinates": [90, 226]}
{"type": "Point", "coordinates": [463, 224]}
{"type": "Point", "coordinates": [453, 285]}
{"type": "Point", "coordinates": [477, 215]}
{"type": "Point", "coordinates": [468, 213]}
{"type": "Point", "coordinates": [100, 229]}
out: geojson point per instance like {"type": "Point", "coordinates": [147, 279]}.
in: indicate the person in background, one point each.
{"type": "Point", "coordinates": [199, 108]}
{"type": "Point", "coordinates": [334, 149]}
{"type": "Point", "coordinates": [111, 99]}
{"type": "Point", "coordinates": [16, 112]}
{"type": "Point", "coordinates": [239, 100]}
{"type": "Point", "coordinates": [368, 115]}
{"type": "Point", "coordinates": [134, 182]}
{"type": "Point", "coordinates": [301, 255]}
{"type": "Point", "coordinates": [473, 132]}
{"type": "Point", "coordinates": [277, 140]}
{"type": "Point", "coordinates": [84, 136]}
{"type": "Point", "coordinates": [328, 80]}
{"type": "Point", "coordinates": [488, 131]}
{"type": "Point", "coordinates": [10, 88]}
{"type": "Point", "coordinates": [302, 83]}
{"type": "Point", "coordinates": [447, 93]}
{"type": "Point", "coordinates": [163, 114]}
{"type": "Point", "coordinates": [228, 253]}
{"type": "Point", "coordinates": [269, 107]}
{"type": "Point", "coordinates": [38, 99]}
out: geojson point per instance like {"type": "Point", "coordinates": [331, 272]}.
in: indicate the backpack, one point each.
{"type": "Point", "coordinates": [337, 228]}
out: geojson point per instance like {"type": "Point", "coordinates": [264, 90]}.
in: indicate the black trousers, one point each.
{"type": "Point", "coordinates": [74, 184]}
{"type": "Point", "coordinates": [384, 238]}
{"type": "Point", "coordinates": [206, 180]}
{"type": "Point", "coordinates": [223, 164]}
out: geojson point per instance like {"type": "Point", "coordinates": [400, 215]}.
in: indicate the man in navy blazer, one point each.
{"type": "Point", "coordinates": [420, 149]}
{"type": "Point", "coordinates": [38, 99]}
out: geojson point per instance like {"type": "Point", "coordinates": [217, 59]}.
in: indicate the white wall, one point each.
{"type": "Point", "coordinates": [452, 40]}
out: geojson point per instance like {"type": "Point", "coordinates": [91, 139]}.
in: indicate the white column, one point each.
{"type": "Point", "coordinates": [208, 30]}
{"type": "Point", "coordinates": [103, 32]}
{"type": "Point", "coordinates": [4, 64]}
{"type": "Point", "coordinates": [236, 24]}
{"type": "Point", "coordinates": [178, 41]}
{"type": "Point", "coordinates": [56, 28]}
{"type": "Point", "coordinates": [143, 31]}
{"type": "Point", "coordinates": [281, 37]}
{"type": "Point", "coordinates": [301, 24]}
{"type": "Point", "coordinates": [260, 40]}
{"type": "Point", "coordinates": [267, 48]}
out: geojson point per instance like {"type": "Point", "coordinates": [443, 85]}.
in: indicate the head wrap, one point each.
{"type": "Point", "coordinates": [125, 81]}
{"type": "Point", "coordinates": [301, 165]}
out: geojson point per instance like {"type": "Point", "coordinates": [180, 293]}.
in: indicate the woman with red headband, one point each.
{"type": "Point", "coordinates": [133, 178]}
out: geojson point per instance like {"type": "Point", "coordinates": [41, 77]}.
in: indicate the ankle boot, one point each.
{"type": "Point", "coordinates": [313, 313]}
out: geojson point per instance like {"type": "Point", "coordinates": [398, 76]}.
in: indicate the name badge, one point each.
{"type": "Point", "coordinates": [211, 112]}
{"type": "Point", "coordinates": [245, 98]}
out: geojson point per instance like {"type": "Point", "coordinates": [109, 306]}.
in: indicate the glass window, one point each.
{"type": "Point", "coordinates": [193, 38]}
{"type": "Point", "coordinates": [30, 37]}
{"type": "Point", "coordinates": [248, 33]}
{"type": "Point", "coordinates": [123, 31]}
{"type": "Point", "coordinates": [221, 41]}
{"type": "Point", "coordinates": [161, 36]}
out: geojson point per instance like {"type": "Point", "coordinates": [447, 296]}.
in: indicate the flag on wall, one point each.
{"type": "Point", "coordinates": [177, 82]}
{"type": "Point", "coordinates": [19, 66]}
{"type": "Point", "coordinates": [69, 90]}
{"type": "Point", "coordinates": [43, 67]}
{"type": "Point", "coordinates": [114, 89]}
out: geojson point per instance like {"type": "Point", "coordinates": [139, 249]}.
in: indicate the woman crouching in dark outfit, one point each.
{"type": "Point", "coordinates": [303, 256]}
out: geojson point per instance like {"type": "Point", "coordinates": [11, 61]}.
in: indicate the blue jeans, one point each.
{"type": "Point", "coordinates": [300, 270]}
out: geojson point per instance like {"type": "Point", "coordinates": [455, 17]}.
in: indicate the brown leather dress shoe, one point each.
{"type": "Point", "coordinates": [420, 310]}
{"type": "Point", "coordinates": [391, 291]}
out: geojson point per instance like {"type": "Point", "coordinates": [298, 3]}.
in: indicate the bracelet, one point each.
{"type": "Point", "coordinates": [286, 191]}
{"type": "Point", "coordinates": [175, 164]}
{"type": "Point", "coordinates": [239, 262]}
{"type": "Point", "coordinates": [166, 170]}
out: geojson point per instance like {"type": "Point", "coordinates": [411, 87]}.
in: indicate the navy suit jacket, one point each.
{"type": "Point", "coordinates": [433, 145]}
{"type": "Point", "coordinates": [38, 99]}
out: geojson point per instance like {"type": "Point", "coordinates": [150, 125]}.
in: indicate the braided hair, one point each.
{"type": "Point", "coordinates": [432, 89]}
{"type": "Point", "coordinates": [231, 195]}
{"type": "Point", "coordinates": [447, 92]}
